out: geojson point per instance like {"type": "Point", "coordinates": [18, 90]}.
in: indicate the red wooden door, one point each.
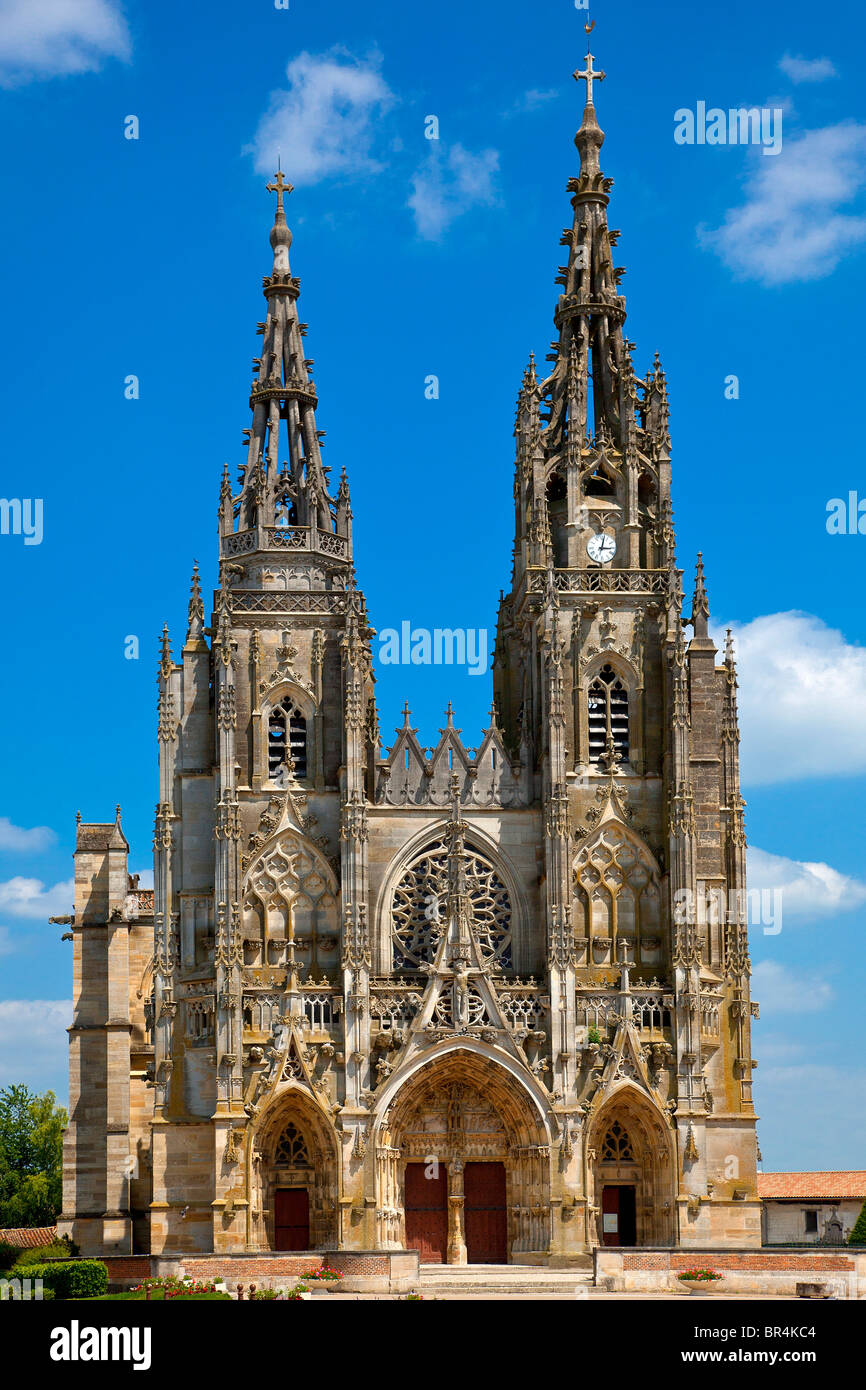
{"type": "Point", "coordinates": [618, 1215]}
{"type": "Point", "coordinates": [485, 1215]}
{"type": "Point", "coordinates": [426, 1207]}
{"type": "Point", "coordinates": [291, 1218]}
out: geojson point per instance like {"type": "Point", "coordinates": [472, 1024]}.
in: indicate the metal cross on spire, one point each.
{"type": "Point", "coordinates": [280, 186]}
{"type": "Point", "coordinates": [589, 74]}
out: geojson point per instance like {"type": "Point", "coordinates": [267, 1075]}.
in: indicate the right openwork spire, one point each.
{"type": "Point", "coordinates": [593, 443]}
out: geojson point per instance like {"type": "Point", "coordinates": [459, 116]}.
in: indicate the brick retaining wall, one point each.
{"type": "Point", "coordinates": [745, 1272]}
{"type": "Point", "coordinates": [678, 1261]}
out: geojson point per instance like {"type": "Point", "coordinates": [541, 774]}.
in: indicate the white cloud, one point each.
{"type": "Point", "coordinates": [51, 38]}
{"type": "Point", "coordinates": [34, 1045]}
{"type": "Point", "coordinates": [28, 897]}
{"type": "Point", "coordinates": [325, 123]}
{"type": "Point", "coordinates": [781, 990]}
{"type": "Point", "coordinates": [793, 225]}
{"type": "Point", "coordinates": [807, 69]}
{"type": "Point", "coordinates": [808, 889]}
{"type": "Point", "coordinates": [802, 699]}
{"type": "Point", "coordinates": [531, 100]}
{"type": "Point", "coordinates": [29, 841]}
{"type": "Point", "coordinates": [145, 877]}
{"type": "Point", "coordinates": [448, 185]}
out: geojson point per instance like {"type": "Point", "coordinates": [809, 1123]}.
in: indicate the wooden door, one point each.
{"type": "Point", "coordinates": [618, 1216]}
{"type": "Point", "coordinates": [426, 1207]}
{"type": "Point", "coordinates": [485, 1214]}
{"type": "Point", "coordinates": [291, 1218]}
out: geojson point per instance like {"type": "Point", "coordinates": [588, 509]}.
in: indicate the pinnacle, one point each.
{"type": "Point", "coordinates": [195, 623]}
{"type": "Point", "coordinates": [700, 603]}
{"type": "Point", "coordinates": [166, 660]}
{"type": "Point", "coordinates": [730, 650]}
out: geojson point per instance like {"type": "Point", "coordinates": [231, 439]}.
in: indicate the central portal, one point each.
{"type": "Point", "coordinates": [463, 1166]}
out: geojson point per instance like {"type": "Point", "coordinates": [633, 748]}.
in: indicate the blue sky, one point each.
{"type": "Point", "coordinates": [422, 258]}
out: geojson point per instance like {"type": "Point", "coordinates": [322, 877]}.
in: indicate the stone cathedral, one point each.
{"type": "Point", "coordinates": [490, 1003]}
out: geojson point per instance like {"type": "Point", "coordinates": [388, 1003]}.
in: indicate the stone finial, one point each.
{"type": "Point", "coordinates": [700, 602]}
{"type": "Point", "coordinates": [281, 236]}
{"type": "Point", "coordinates": [195, 624]}
{"type": "Point", "coordinates": [590, 138]}
{"type": "Point", "coordinates": [166, 661]}
{"type": "Point", "coordinates": [730, 651]}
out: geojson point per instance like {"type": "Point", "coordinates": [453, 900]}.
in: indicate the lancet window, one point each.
{"type": "Point", "coordinates": [607, 714]}
{"type": "Point", "coordinates": [287, 742]}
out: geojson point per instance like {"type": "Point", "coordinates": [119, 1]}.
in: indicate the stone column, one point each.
{"type": "Point", "coordinates": [456, 1223]}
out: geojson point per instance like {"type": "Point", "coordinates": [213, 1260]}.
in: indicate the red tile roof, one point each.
{"type": "Point", "coordinates": [813, 1186]}
{"type": "Point", "coordinates": [28, 1237]}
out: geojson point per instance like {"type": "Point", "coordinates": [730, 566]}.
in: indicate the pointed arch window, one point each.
{"type": "Point", "coordinates": [291, 1150]}
{"type": "Point", "coordinates": [287, 742]}
{"type": "Point", "coordinates": [557, 514]}
{"type": "Point", "coordinates": [608, 714]}
{"type": "Point", "coordinates": [617, 1146]}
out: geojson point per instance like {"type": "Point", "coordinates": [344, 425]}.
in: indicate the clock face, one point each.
{"type": "Point", "coordinates": [601, 549]}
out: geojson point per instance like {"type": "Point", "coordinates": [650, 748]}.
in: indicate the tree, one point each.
{"type": "Point", "coordinates": [31, 1157]}
{"type": "Point", "coordinates": [858, 1231]}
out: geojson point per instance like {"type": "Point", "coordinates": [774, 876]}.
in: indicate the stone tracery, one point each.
{"type": "Point", "coordinates": [418, 910]}
{"type": "Point", "coordinates": [616, 885]}
{"type": "Point", "coordinates": [289, 883]}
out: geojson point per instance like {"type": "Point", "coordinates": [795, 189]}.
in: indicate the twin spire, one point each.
{"type": "Point", "coordinates": [284, 484]}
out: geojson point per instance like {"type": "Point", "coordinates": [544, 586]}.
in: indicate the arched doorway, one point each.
{"type": "Point", "coordinates": [294, 1186]}
{"type": "Point", "coordinates": [630, 1172]}
{"type": "Point", "coordinates": [464, 1164]}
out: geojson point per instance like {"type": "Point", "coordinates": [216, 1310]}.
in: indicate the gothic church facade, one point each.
{"type": "Point", "coordinates": [468, 1001]}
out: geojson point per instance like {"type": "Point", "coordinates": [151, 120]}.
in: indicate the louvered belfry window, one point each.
{"type": "Point", "coordinates": [608, 712]}
{"type": "Point", "coordinates": [287, 742]}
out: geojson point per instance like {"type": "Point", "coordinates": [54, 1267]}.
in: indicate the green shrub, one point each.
{"type": "Point", "coordinates": [858, 1231]}
{"type": "Point", "coordinates": [8, 1254]}
{"type": "Point", "coordinates": [72, 1278]}
{"type": "Point", "coordinates": [38, 1254]}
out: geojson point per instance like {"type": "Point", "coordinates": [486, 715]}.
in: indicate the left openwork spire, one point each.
{"type": "Point", "coordinates": [284, 500]}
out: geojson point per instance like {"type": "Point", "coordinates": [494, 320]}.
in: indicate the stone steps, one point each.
{"type": "Point", "coordinates": [502, 1281]}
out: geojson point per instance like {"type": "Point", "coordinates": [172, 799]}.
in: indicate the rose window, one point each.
{"type": "Point", "coordinates": [421, 903]}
